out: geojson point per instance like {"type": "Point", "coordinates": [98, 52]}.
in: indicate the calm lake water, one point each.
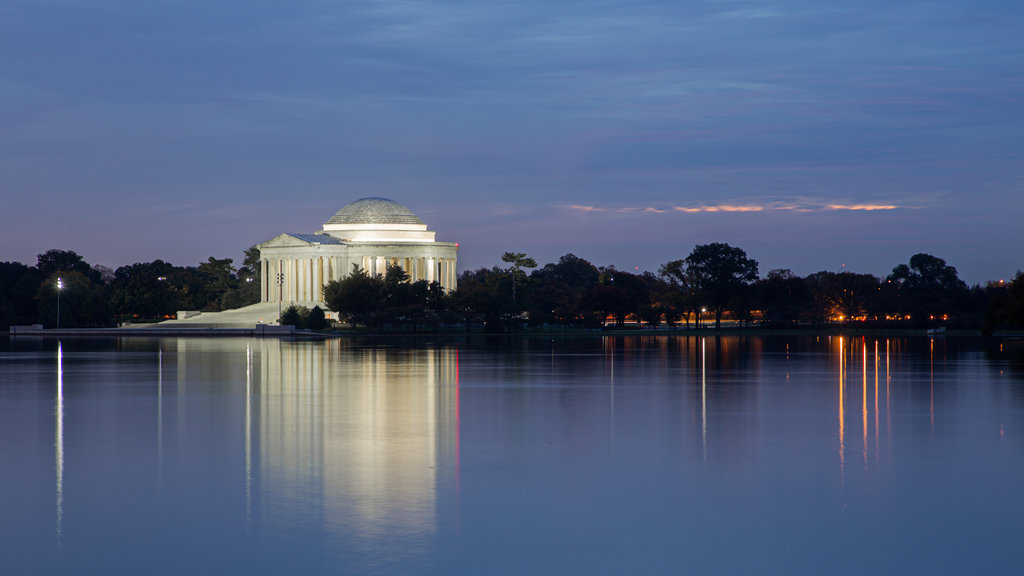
{"type": "Point", "coordinates": [596, 455]}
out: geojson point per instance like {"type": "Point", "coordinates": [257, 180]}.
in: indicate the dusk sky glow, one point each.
{"type": "Point", "coordinates": [810, 134]}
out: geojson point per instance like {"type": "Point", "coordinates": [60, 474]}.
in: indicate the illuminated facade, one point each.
{"type": "Point", "coordinates": [370, 233]}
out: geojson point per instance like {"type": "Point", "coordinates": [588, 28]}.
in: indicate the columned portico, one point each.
{"type": "Point", "coordinates": [369, 233]}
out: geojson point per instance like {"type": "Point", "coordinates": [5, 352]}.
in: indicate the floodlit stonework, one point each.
{"type": "Point", "coordinates": [370, 233]}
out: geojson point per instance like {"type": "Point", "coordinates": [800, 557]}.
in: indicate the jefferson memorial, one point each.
{"type": "Point", "coordinates": [369, 233]}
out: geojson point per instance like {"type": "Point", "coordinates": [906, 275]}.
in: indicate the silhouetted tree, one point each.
{"type": "Point", "coordinates": [928, 289]}
{"type": "Point", "coordinates": [518, 261]}
{"type": "Point", "coordinates": [558, 291]}
{"type": "Point", "coordinates": [783, 297]}
{"type": "Point", "coordinates": [143, 290]}
{"type": "Point", "coordinates": [844, 296]}
{"type": "Point", "coordinates": [719, 273]}
{"type": "Point", "coordinates": [483, 297]}
{"type": "Point", "coordinates": [357, 297]}
{"type": "Point", "coordinates": [603, 301]}
{"type": "Point", "coordinates": [219, 284]}
{"type": "Point", "coordinates": [19, 285]}
{"type": "Point", "coordinates": [1006, 305]}
{"type": "Point", "coordinates": [633, 286]}
{"type": "Point", "coordinates": [316, 320]}
{"type": "Point", "coordinates": [294, 315]}
{"type": "Point", "coordinates": [82, 302]}
{"type": "Point", "coordinates": [686, 298]}
{"type": "Point", "coordinates": [53, 261]}
{"type": "Point", "coordinates": [249, 277]}
{"type": "Point", "coordinates": [572, 270]}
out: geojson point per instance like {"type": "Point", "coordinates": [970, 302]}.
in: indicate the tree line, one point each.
{"type": "Point", "coordinates": [715, 282]}
{"type": "Point", "coordinates": [94, 296]}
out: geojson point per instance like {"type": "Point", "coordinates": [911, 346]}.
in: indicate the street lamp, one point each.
{"type": "Point", "coordinates": [60, 286]}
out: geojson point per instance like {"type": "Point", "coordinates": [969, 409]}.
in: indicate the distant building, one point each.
{"type": "Point", "coordinates": [370, 233]}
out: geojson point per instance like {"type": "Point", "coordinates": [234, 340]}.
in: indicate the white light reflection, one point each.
{"type": "Point", "coordinates": [609, 343]}
{"type": "Point", "coordinates": [704, 397]}
{"type": "Point", "coordinates": [59, 445]}
{"type": "Point", "coordinates": [842, 413]}
{"type": "Point", "coordinates": [160, 418]}
{"type": "Point", "coordinates": [248, 435]}
{"type": "Point", "coordinates": [367, 437]}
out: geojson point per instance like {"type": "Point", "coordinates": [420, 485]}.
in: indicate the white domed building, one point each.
{"type": "Point", "coordinates": [370, 233]}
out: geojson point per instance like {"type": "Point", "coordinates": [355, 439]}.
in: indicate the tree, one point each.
{"type": "Point", "coordinates": [518, 261]}
{"type": "Point", "coordinates": [54, 260]}
{"type": "Point", "coordinates": [574, 271]}
{"type": "Point", "coordinates": [635, 289]}
{"type": "Point", "coordinates": [249, 277]}
{"type": "Point", "coordinates": [1006, 308]}
{"type": "Point", "coordinates": [394, 275]}
{"type": "Point", "coordinates": [558, 290]}
{"type": "Point", "coordinates": [403, 301]}
{"type": "Point", "coordinates": [552, 301]}
{"type": "Point", "coordinates": [928, 288]}
{"type": "Point", "coordinates": [783, 297]}
{"type": "Point", "coordinates": [685, 286]}
{"type": "Point", "coordinates": [844, 296]}
{"type": "Point", "coordinates": [717, 273]}
{"type": "Point", "coordinates": [143, 290]}
{"type": "Point", "coordinates": [358, 297]}
{"type": "Point", "coordinates": [82, 302]}
{"type": "Point", "coordinates": [316, 320]}
{"type": "Point", "coordinates": [220, 284]}
{"type": "Point", "coordinates": [19, 285]}
{"type": "Point", "coordinates": [482, 298]}
{"type": "Point", "coordinates": [605, 300]}
{"type": "Point", "coordinates": [294, 315]}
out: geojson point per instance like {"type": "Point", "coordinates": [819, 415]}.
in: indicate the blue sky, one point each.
{"type": "Point", "coordinates": [810, 134]}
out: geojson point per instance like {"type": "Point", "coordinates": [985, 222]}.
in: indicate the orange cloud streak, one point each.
{"type": "Point", "coordinates": [772, 207]}
{"type": "Point", "coordinates": [861, 207]}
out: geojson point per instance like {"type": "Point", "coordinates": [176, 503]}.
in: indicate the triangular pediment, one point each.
{"type": "Point", "coordinates": [285, 241]}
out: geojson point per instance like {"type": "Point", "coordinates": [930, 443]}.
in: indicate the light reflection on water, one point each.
{"type": "Point", "coordinates": [590, 455]}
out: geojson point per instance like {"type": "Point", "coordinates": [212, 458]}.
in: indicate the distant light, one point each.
{"type": "Point", "coordinates": [161, 278]}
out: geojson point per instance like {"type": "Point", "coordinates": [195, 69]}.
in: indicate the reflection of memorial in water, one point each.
{"type": "Point", "coordinates": [369, 432]}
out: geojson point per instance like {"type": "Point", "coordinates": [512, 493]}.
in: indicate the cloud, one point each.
{"type": "Point", "coordinates": [867, 207]}
{"type": "Point", "coordinates": [719, 208]}
{"type": "Point", "coordinates": [581, 208]}
{"type": "Point", "coordinates": [799, 205]}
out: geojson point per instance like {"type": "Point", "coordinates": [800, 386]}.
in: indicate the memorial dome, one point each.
{"type": "Point", "coordinates": [375, 210]}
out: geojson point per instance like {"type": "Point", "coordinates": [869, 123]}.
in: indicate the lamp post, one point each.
{"type": "Point", "coordinates": [60, 286]}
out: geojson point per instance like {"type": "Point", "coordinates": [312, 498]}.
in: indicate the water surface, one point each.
{"type": "Point", "coordinates": [596, 455]}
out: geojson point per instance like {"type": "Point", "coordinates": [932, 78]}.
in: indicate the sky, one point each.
{"type": "Point", "coordinates": [840, 135]}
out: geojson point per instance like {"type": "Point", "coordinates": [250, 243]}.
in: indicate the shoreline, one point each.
{"type": "Point", "coordinates": [271, 331]}
{"type": "Point", "coordinates": [261, 331]}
